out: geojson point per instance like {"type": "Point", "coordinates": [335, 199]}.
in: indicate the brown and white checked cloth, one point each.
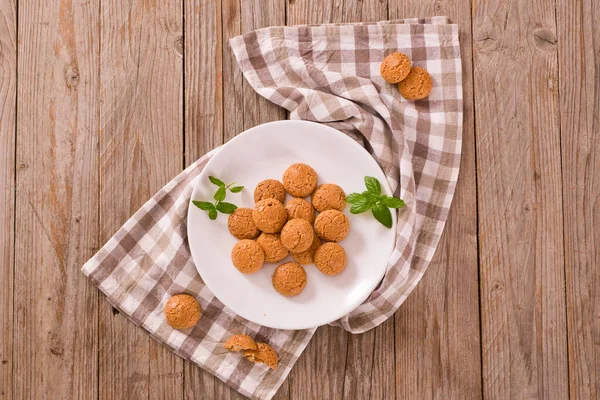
{"type": "Point", "coordinates": [328, 74]}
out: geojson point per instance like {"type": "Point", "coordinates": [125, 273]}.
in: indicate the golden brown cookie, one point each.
{"type": "Point", "coordinates": [330, 259]}
{"type": "Point", "coordinates": [307, 257]}
{"type": "Point", "coordinates": [269, 215]}
{"type": "Point", "coordinates": [329, 197]}
{"type": "Point", "coordinates": [271, 244]}
{"type": "Point", "coordinates": [247, 256]}
{"type": "Point", "coordinates": [264, 354]}
{"type": "Point", "coordinates": [332, 226]}
{"type": "Point", "coordinates": [297, 235]}
{"type": "Point", "coordinates": [300, 208]}
{"type": "Point", "coordinates": [417, 84]}
{"type": "Point", "coordinates": [395, 67]}
{"type": "Point", "coordinates": [182, 311]}
{"type": "Point", "coordinates": [300, 180]}
{"type": "Point", "coordinates": [289, 279]}
{"type": "Point", "coordinates": [269, 189]}
{"type": "Point", "coordinates": [240, 342]}
{"type": "Point", "coordinates": [240, 224]}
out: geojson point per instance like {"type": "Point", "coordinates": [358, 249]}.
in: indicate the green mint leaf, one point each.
{"type": "Point", "coordinates": [203, 205]}
{"type": "Point", "coordinates": [383, 215]}
{"type": "Point", "coordinates": [354, 197]}
{"type": "Point", "coordinates": [372, 185]}
{"type": "Point", "coordinates": [392, 202]}
{"type": "Point", "coordinates": [220, 194]}
{"type": "Point", "coordinates": [226, 208]}
{"type": "Point", "coordinates": [212, 214]}
{"type": "Point", "coordinates": [236, 189]}
{"type": "Point", "coordinates": [216, 181]}
{"type": "Point", "coordinates": [373, 198]}
{"type": "Point", "coordinates": [360, 206]}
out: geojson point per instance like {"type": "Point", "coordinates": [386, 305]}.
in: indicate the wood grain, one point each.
{"type": "Point", "coordinates": [579, 65]}
{"type": "Point", "coordinates": [8, 104]}
{"type": "Point", "coordinates": [203, 121]}
{"type": "Point", "coordinates": [356, 353]}
{"type": "Point", "coordinates": [437, 329]}
{"type": "Point", "coordinates": [56, 308]}
{"type": "Point", "coordinates": [141, 141]}
{"type": "Point", "coordinates": [520, 201]}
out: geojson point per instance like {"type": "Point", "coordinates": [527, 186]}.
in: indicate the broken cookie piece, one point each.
{"type": "Point", "coordinates": [264, 354]}
{"type": "Point", "coordinates": [240, 342]}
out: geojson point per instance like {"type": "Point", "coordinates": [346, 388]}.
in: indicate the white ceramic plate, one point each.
{"type": "Point", "coordinates": [265, 152]}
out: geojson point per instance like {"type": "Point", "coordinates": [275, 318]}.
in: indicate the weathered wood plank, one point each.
{"type": "Point", "coordinates": [437, 329]}
{"type": "Point", "coordinates": [8, 102]}
{"type": "Point", "coordinates": [352, 356]}
{"type": "Point", "coordinates": [141, 141]}
{"type": "Point", "coordinates": [579, 66]}
{"type": "Point", "coordinates": [56, 307]}
{"type": "Point", "coordinates": [522, 291]}
{"type": "Point", "coordinates": [203, 124]}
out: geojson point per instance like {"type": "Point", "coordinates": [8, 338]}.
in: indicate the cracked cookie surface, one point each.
{"type": "Point", "coordinates": [247, 256]}
{"type": "Point", "coordinates": [300, 208]}
{"type": "Point", "coordinates": [330, 258]}
{"type": "Point", "coordinates": [332, 226]}
{"type": "Point", "coordinates": [269, 215]}
{"type": "Point", "coordinates": [300, 180]}
{"type": "Point", "coordinates": [182, 311]}
{"type": "Point", "coordinates": [417, 84]}
{"type": "Point", "coordinates": [395, 67]}
{"type": "Point", "coordinates": [297, 235]}
{"type": "Point", "coordinates": [269, 189]}
{"type": "Point", "coordinates": [240, 224]}
{"type": "Point", "coordinates": [271, 245]}
{"type": "Point", "coordinates": [329, 197]}
{"type": "Point", "coordinates": [289, 279]}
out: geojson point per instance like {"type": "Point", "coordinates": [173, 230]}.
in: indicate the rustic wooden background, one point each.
{"type": "Point", "coordinates": [104, 101]}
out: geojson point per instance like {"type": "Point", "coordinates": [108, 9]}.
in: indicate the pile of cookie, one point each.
{"type": "Point", "coordinates": [272, 230]}
{"type": "Point", "coordinates": [414, 83]}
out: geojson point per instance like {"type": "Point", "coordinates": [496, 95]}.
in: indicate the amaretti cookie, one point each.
{"type": "Point", "coordinates": [332, 226]}
{"type": "Point", "coordinates": [182, 311]}
{"type": "Point", "coordinates": [240, 342]}
{"type": "Point", "coordinates": [300, 208]}
{"type": "Point", "coordinates": [269, 189]}
{"type": "Point", "coordinates": [271, 245]}
{"type": "Point", "coordinates": [297, 235]}
{"type": "Point", "coordinates": [300, 180]}
{"type": "Point", "coordinates": [329, 197]}
{"type": "Point", "coordinates": [289, 279]}
{"type": "Point", "coordinates": [395, 67]}
{"type": "Point", "coordinates": [330, 258]}
{"type": "Point", "coordinates": [263, 354]}
{"type": "Point", "coordinates": [247, 256]}
{"type": "Point", "coordinates": [417, 84]}
{"type": "Point", "coordinates": [269, 215]}
{"type": "Point", "coordinates": [240, 224]}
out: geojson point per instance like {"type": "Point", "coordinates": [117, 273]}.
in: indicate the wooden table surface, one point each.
{"type": "Point", "coordinates": [104, 101]}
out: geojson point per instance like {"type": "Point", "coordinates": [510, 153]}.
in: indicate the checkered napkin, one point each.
{"type": "Point", "coordinates": [328, 74]}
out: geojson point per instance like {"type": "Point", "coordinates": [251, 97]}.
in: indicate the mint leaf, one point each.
{"type": "Point", "coordinates": [220, 194]}
{"type": "Point", "coordinates": [216, 181]}
{"type": "Point", "coordinates": [203, 205]}
{"type": "Point", "coordinates": [392, 202]}
{"type": "Point", "coordinates": [360, 206]}
{"type": "Point", "coordinates": [236, 189]}
{"type": "Point", "coordinates": [372, 185]}
{"type": "Point", "coordinates": [226, 208]}
{"type": "Point", "coordinates": [212, 214]}
{"type": "Point", "coordinates": [373, 198]}
{"type": "Point", "coordinates": [354, 197]}
{"type": "Point", "coordinates": [383, 215]}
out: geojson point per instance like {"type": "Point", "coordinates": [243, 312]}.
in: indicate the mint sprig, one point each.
{"type": "Point", "coordinates": [219, 206]}
{"type": "Point", "coordinates": [372, 199]}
